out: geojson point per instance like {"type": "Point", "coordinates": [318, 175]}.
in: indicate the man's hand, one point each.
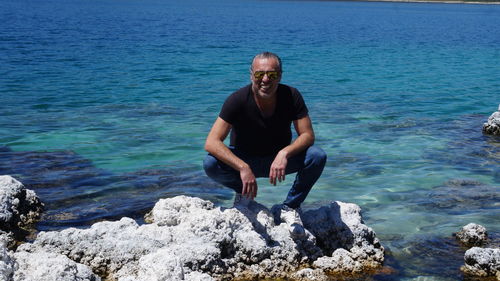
{"type": "Point", "coordinates": [249, 183]}
{"type": "Point", "coordinates": [278, 168]}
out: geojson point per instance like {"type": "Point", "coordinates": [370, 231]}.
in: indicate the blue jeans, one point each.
{"type": "Point", "coordinates": [308, 165]}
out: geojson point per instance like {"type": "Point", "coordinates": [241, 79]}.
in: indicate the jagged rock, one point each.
{"type": "Point", "coordinates": [349, 245]}
{"type": "Point", "coordinates": [310, 274]}
{"type": "Point", "coordinates": [492, 127]}
{"type": "Point", "coordinates": [189, 238]}
{"type": "Point", "coordinates": [19, 208]}
{"type": "Point", "coordinates": [472, 235]}
{"type": "Point", "coordinates": [44, 266]}
{"type": "Point", "coordinates": [6, 262]}
{"type": "Point", "coordinates": [482, 262]}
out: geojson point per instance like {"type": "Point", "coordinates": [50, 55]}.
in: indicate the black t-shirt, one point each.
{"type": "Point", "coordinates": [254, 134]}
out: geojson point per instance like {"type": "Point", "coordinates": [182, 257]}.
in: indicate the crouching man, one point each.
{"type": "Point", "coordinates": [259, 117]}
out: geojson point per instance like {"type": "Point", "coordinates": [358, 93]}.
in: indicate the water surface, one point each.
{"type": "Point", "coordinates": [105, 106]}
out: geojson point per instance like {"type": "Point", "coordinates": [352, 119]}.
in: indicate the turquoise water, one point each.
{"type": "Point", "coordinates": [105, 106]}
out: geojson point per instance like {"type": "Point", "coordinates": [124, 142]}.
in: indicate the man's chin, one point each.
{"type": "Point", "coordinates": [265, 94]}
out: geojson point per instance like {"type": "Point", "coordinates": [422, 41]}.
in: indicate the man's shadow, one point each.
{"type": "Point", "coordinates": [326, 224]}
{"type": "Point", "coordinates": [252, 211]}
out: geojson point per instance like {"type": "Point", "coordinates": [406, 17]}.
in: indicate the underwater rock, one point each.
{"type": "Point", "coordinates": [189, 238]}
{"type": "Point", "coordinates": [76, 193]}
{"type": "Point", "coordinates": [19, 208]}
{"type": "Point", "coordinates": [472, 235]}
{"type": "Point", "coordinates": [482, 262]}
{"type": "Point", "coordinates": [456, 195]}
{"type": "Point", "coordinates": [492, 127]}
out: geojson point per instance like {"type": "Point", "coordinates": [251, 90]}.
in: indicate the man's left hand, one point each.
{"type": "Point", "coordinates": [278, 168]}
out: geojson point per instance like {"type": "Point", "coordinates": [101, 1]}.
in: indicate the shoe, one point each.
{"type": "Point", "coordinates": [241, 201]}
{"type": "Point", "coordinates": [291, 217]}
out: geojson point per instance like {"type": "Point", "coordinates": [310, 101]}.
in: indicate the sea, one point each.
{"type": "Point", "coordinates": [105, 106]}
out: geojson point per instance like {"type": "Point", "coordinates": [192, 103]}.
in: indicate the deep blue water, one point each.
{"type": "Point", "coordinates": [105, 106]}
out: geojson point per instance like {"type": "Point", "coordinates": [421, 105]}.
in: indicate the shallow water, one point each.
{"type": "Point", "coordinates": [105, 105]}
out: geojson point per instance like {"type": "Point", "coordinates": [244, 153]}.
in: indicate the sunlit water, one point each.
{"type": "Point", "coordinates": [105, 105]}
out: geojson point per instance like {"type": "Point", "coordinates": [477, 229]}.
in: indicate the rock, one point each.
{"type": "Point", "coordinates": [482, 262]}
{"type": "Point", "coordinates": [310, 274]}
{"type": "Point", "coordinates": [349, 245]}
{"type": "Point", "coordinates": [191, 239]}
{"type": "Point", "coordinates": [492, 127]}
{"type": "Point", "coordinates": [472, 235]}
{"type": "Point", "coordinates": [44, 266]}
{"type": "Point", "coordinates": [19, 208]}
{"type": "Point", "coordinates": [6, 262]}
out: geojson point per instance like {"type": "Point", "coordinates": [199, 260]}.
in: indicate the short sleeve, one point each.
{"type": "Point", "coordinates": [233, 105]}
{"type": "Point", "coordinates": [300, 107]}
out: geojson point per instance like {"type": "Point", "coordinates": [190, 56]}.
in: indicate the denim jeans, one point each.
{"type": "Point", "coordinates": [308, 165]}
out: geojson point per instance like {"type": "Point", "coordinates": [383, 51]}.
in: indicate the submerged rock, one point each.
{"type": "Point", "coordinates": [472, 235]}
{"type": "Point", "coordinates": [19, 208]}
{"type": "Point", "coordinates": [492, 127]}
{"type": "Point", "coordinates": [77, 193]}
{"type": "Point", "coordinates": [482, 262]}
{"type": "Point", "coordinates": [191, 239]}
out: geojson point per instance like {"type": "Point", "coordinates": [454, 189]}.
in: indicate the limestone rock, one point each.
{"type": "Point", "coordinates": [483, 262]}
{"type": "Point", "coordinates": [191, 239]}
{"type": "Point", "coordinates": [349, 245]}
{"type": "Point", "coordinates": [492, 127]}
{"type": "Point", "coordinates": [6, 262]}
{"type": "Point", "coordinates": [472, 235]}
{"type": "Point", "coordinates": [43, 266]}
{"type": "Point", "coordinates": [19, 208]}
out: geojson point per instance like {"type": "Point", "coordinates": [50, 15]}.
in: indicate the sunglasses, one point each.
{"type": "Point", "coordinates": [272, 75]}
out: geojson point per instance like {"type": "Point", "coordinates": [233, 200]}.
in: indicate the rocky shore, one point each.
{"type": "Point", "coordinates": [188, 238]}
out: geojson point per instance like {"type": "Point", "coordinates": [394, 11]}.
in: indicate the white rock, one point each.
{"type": "Point", "coordinates": [349, 245]}
{"type": "Point", "coordinates": [492, 127]}
{"type": "Point", "coordinates": [191, 239]}
{"type": "Point", "coordinates": [6, 262]}
{"type": "Point", "coordinates": [43, 266]}
{"type": "Point", "coordinates": [19, 207]}
{"type": "Point", "coordinates": [472, 234]}
{"type": "Point", "coordinates": [482, 262]}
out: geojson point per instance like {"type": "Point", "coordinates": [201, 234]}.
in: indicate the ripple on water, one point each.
{"type": "Point", "coordinates": [430, 257]}
{"type": "Point", "coordinates": [76, 193]}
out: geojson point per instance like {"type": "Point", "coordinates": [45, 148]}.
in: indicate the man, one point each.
{"type": "Point", "coordinates": [259, 117]}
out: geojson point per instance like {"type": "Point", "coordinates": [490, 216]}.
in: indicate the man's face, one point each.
{"type": "Point", "coordinates": [266, 85]}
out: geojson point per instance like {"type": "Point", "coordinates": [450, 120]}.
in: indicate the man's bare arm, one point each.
{"type": "Point", "coordinates": [215, 146]}
{"type": "Point", "coordinates": [305, 138]}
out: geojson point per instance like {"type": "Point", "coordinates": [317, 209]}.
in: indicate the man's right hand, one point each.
{"type": "Point", "coordinates": [249, 183]}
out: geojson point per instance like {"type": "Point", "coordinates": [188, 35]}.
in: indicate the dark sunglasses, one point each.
{"type": "Point", "coordinates": [272, 75]}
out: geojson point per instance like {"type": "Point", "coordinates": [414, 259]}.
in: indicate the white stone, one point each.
{"type": "Point", "coordinates": [472, 234]}
{"type": "Point", "coordinates": [482, 262]}
{"type": "Point", "coordinates": [6, 262]}
{"type": "Point", "coordinates": [43, 266]}
{"type": "Point", "coordinates": [19, 208]}
{"type": "Point", "coordinates": [191, 239]}
{"type": "Point", "coordinates": [492, 127]}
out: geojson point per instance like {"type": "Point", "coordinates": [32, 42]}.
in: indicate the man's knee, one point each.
{"type": "Point", "coordinates": [316, 155]}
{"type": "Point", "coordinates": [210, 165]}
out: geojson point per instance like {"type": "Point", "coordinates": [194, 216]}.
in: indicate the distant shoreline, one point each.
{"type": "Point", "coordinates": [426, 1]}
{"type": "Point", "coordinates": [435, 1]}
